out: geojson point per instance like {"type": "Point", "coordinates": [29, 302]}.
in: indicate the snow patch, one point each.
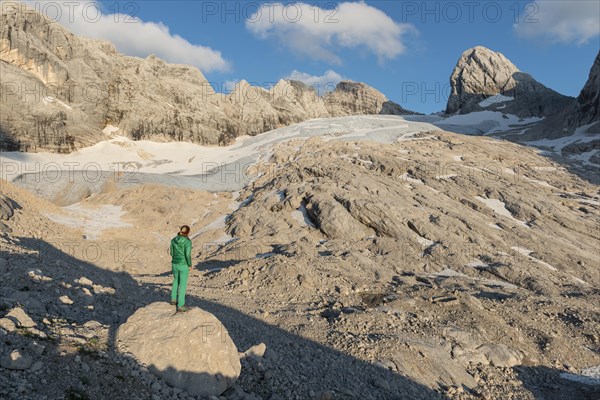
{"type": "Point", "coordinates": [589, 376]}
{"type": "Point", "coordinates": [497, 98]}
{"type": "Point", "coordinates": [527, 253]}
{"type": "Point", "coordinates": [484, 122]}
{"type": "Point", "coordinates": [93, 220]}
{"type": "Point", "coordinates": [499, 207]}
{"type": "Point", "coordinates": [301, 215]}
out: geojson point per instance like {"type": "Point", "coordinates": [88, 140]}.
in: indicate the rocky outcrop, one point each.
{"type": "Point", "coordinates": [583, 112]}
{"type": "Point", "coordinates": [191, 351]}
{"type": "Point", "coordinates": [589, 98]}
{"type": "Point", "coordinates": [487, 80]}
{"type": "Point", "coordinates": [62, 92]}
{"type": "Point", "coordinates": [7, 207]}
{"type": "Point", "coordinates": [354, 98]}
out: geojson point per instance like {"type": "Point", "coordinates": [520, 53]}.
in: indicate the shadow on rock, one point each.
{"type": "Point", "coordinates": [299, 368]}
{"type": "Point", "coordinates": [547, 384]}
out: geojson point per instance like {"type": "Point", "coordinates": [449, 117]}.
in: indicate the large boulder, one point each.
{"type": "Point", "coordinates": [191, 351]}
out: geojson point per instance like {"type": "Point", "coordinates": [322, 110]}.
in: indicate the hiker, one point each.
{"type": "Point", "coordinates": [181, 263]}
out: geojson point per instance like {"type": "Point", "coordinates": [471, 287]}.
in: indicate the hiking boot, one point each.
{"type": "Point", "coordinates": [182, 309]}
{"type": "Point", "coordinates": [174, 303]}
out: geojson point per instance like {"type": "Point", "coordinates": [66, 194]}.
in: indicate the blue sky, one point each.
{"type": "Point", "coordinates": [405, 49]}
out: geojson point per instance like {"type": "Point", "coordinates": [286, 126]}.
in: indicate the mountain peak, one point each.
{"type": "Point", "coordinates": [481, 74]}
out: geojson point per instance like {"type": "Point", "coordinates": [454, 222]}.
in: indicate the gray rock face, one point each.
{"type": "Point", "coordinates": [60, 91]}
{"type": "Point", "coordinates": [588, 101]}
{"type": "Point", "coordinates": [191, 351]}
{"type": "Point", "coordinates": [482, 73]}
{"type": "Point", "coordinates": [583, 111]}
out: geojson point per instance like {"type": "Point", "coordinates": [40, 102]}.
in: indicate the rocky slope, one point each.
{"type": "Point", "coordinates": [482, 73]}
{"type": "Point", "coordinates": [61, 91]}
{"type": "Point", "coordinates": [440, 266]}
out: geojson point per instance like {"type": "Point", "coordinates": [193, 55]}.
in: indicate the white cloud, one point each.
{"type": "Point", "coordinates": [316, 33]}
{"type": "Point", "coordinates": [131, 35]}
{"type": "Point", "coordinates": [322, 84]}
{"type": "Point", "coordinates": [561, 21]}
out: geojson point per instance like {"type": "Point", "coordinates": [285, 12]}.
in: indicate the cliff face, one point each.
{"type": "Point", "coordinates": [482, 73]}
{"type": "Point", "coordinates": [60, 92]}
{"type": "Point", "coordinates": [582, 113]}
{"type": "Point", "coordinates": [589, 98]}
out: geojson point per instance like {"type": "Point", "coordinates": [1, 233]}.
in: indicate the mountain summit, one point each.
{"type": "Point", "coordinates": [486, 80]}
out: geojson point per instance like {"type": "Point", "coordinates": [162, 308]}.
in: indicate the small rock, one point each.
{"type": "Point", "coordinates": [500, 355]}
{"type": "Point", "coordinates": [327, 395]}
{"type": "Point", "coordinates": [37, 332]}
{"type": "Point", "coordinates": [85, 281]}
{"type": "Point", "coordinates": [16, 361]}
{"type": "Point", "coordinates": [37, 348]}
{"type": "Point", "coordinates": [36, 366]}
{"type": "Point", "coordinates": [7, 325]}
{"type": "Point", "coordinates": [257, 351]}
{"type": "Point", "coordinates": [21, 318]}
{"type": "Point", "coordinates": [65, 300]}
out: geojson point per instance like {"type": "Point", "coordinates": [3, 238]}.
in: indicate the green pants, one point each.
{"type": "Point", "coordinates": [180, 277]}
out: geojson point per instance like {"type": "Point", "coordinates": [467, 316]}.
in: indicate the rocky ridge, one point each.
{"type": "Point", "coordinates": [81, 91]}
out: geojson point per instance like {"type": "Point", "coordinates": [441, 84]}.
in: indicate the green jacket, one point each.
{"type": "Point", "coordinates": [181, 251]}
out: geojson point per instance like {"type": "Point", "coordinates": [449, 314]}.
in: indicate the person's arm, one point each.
{"type": "Point", "coordinates": [171, 250]}
{"type": "Point", "coordinates": [188, 253]}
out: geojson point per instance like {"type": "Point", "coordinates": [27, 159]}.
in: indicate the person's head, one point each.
{"type": "Point", "coordinates": [184, 230]}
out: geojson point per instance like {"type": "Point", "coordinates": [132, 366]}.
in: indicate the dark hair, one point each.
{"type": "Point", "coordinates": [184, 230]}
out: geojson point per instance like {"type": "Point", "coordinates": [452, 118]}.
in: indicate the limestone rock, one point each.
{"type": "Point", "coordinates": [85, 281]}
{"type": "Point", "coordinates": [500, 355]}
{"type": "Point", "coordinates": [7, 324]}
{"type": "Point", "coordinates": [257, 351]}
{"type": "Point", "coordinates": [434, 366]}
{"type": "Point", "coordinates": [582, 112]}
{"type": "Point", "coordinates": [16, 361]}
{"type": "Point", "coordinates": [7, 207]}
{"type": "Point", "coordinates": [482, 73]}
{"type": "Point", "coordinates": [139, 98]}
{"type": "Point", "coordinates": [191, 351]}
{"type": "Point", "coordinates": [20, 317]}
